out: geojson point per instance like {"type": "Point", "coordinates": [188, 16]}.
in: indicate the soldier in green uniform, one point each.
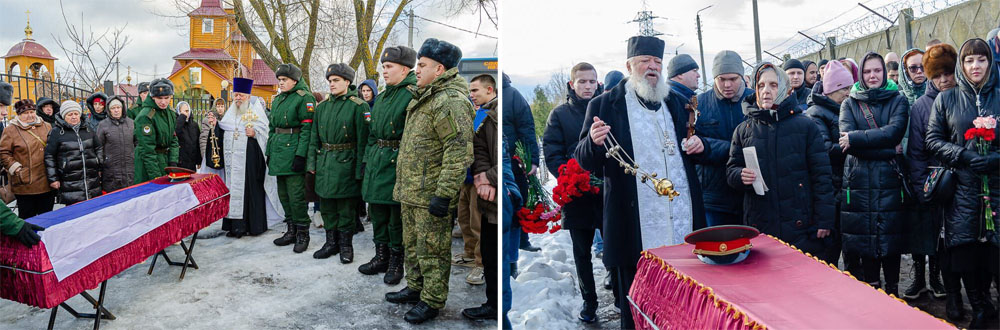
{"type": "Point", "coordinates": [137, 106]}
{"type": "Point", "coordinates": [435, 150]}
{"type": "Point", "coordinates": [336, 152]}
{"type": "Point", "coordinates": [291, 120]}
{"type": "Point", "coordinates": [388, 117]}
{"type": "Point", "coordinates": [156, 144]}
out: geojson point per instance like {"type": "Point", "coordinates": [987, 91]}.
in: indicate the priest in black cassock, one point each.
{"type": "Point", "coordinates": [652, 130]}
{"type": "Point", "coordinates": [253, 197]}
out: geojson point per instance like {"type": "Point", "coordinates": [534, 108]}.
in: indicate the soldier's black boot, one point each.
{"type": "Point", "coordinates": [420, 313]}
{"type": "Point", "coordinates": [934, 278]}
{"type": "Point", "coordinates": [379, 263]}
{"type": "Point", "coordinates": [346, 247]}
{"type": "Point", "coordinates": [288, 237]}
{"type": "Point", "coordinates": [404, 296]}
{"type": "Point", "coordinates": [301, 238]}
{"type": "Point", "coordinates": [919, 285]}
{"type": "Point", "coordinates": [331, 247]}
{"type": "Point", "coordinates": [394, 272]}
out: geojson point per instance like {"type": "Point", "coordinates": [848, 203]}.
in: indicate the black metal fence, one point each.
{"type": "Point", "coordinates": [34, 88]}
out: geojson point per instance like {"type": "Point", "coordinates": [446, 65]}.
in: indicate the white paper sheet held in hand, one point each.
{"type": "Point", "coordinates": [750, 156]}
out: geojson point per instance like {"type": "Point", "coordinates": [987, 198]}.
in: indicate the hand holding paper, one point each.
{"type": "Point", "coordinates": [750, 156]}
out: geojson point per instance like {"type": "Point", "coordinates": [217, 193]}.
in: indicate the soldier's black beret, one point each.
{"type": "Point", "coordinates": [341, 70]}
{"type": "Point", "coordinates": [401, 55]}
{"type": "Point", "coordinates": [441, 51]}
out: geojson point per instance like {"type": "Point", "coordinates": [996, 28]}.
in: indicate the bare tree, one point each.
{"type": "Point", "coordinates": [282, 25]}
{"type": "Point", "coordinates": [91, 56]}
{"type": "Point", "coordinates": [365, 18]}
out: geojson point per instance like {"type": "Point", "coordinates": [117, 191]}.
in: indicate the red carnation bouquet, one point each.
{"type": "Point", "coordinates": [538, 215]}
{"type": "Point", "coordinates": [982, 134]}
{"type": "Point", "coordinates": [573, 182]}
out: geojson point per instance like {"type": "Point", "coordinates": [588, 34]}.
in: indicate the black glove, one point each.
{"type": "Point", "coordinates": [986, 164]}
{"type": "Point", "coordinates": [299, 164]}
{"type": "Point", "coordinates": [27, 235]}
{"type": "Point", "coordinates": [439, 206]}
{"type": "Point", "coordinates": [966, 157]}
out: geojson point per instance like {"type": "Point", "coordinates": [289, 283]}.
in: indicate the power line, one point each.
{"type": "Point", "coordinates": [455, 27]}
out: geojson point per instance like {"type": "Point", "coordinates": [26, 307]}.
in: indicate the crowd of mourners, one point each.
{"type": "Point", "coordinates": [864, 160]}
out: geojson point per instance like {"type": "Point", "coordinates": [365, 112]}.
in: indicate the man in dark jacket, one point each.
{"type": "Point", "coordinates": [797, 78]}
{"type": "Point", "coordinates": [793, 164]}
{"type": "Point", "coordinates": [486, 179]}
{"type": "Point", "coordinates": [636, 217]}
{"type": "Point", "coordinates": [519, 126]}
{"type": "Point", "coordinates": [582, 216]}
{"type": "Point", "coordinates": [720, 111]}
{"type": "Point", "coordinates": [824, 110]}
{"type": "Point", "coordinates": [939, 66]}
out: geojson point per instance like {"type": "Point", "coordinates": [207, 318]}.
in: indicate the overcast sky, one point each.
{"type": "Point", "coordinates": [155, 41]}
{"type": "Point", "coordinates": [541, 37]}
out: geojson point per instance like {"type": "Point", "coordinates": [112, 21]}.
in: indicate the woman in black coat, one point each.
{"type": "Point", "coordinates": [73, 156]}
{"type": "Point", "coordinates": [798, 206]}
{"type": "Point", "coordinates": [187, 137]}
{"type": "Point", "coordinates": [872, 124]}
{"type": "Point", "coordinates": [971, 249]}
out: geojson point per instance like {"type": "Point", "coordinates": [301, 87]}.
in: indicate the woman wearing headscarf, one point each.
{"type": "Point", "coordinates": [872, 124]}
{"type": "Point", "coordinates": [912, 79]}
{"type": "Point", "coordinates": [971, 244]}
{"type": "Point", "coordinates": [187, 137]}
{"type": "Point", "coordinates": [114, 134]}
{"type": "Point", "coordinates": [73, 156]}
{"type": "Point", "coordinates": [22, 152]}
{"type": "Point", "coordinates": [798, 207]}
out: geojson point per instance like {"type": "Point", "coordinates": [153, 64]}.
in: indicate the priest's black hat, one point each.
{"type": "Point", "coordinates": [643, 45]}
{"type": "Point", "coordinates": [242, 85]}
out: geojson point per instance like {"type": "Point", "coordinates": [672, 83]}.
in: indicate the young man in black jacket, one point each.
{"type": "Point", "coordinates": [583, 214]}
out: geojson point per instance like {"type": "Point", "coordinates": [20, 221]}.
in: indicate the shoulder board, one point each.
{"type": "Point", "coordinates": [151, 113]}
{"type": "Point", "coordinates": [356, 100]}
{"type": "Point", "coordinates": [301, 92]}
{"type": "Point", "coordinates": [412, 89]}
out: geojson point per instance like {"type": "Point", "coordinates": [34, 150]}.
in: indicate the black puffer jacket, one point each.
{"type": "Point", "coordinates": [562, 134]}
{"type": "Point", "coordinates": [825, 112]}
{"type": "Point", "coordinates": [72, 157]}
{"type": "Point", "coordinates": [187, 137]}
{"type": "Point", "coordinates": [951, 115]}
{"type": "Point", "coordinates": [796, 170]}
{"type": "Point", "coordinates": [918, 158]}
{"type": "Point", "coordinates": [872, 214]}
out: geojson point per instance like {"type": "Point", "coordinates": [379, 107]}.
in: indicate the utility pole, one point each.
{"type": "Point", "coordinates": [701, 48]}
{"type": "Point", "coordinates": [410, 39]}
{"type": "Point", "coordinates": [756, 32]}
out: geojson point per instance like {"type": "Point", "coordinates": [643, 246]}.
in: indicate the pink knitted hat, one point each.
{"type": "Point", "coordinates": [836, 77]}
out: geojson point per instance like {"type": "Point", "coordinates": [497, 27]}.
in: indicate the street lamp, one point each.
{"type": "Point", "coordinates": [678, 47]}
{"type": "Point", "coordinates": [701, 48]}
{"type": "Point", "coordinates": [224, 94]}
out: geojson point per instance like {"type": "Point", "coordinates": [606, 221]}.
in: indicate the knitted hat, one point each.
{"type": "Point", "coordinates": [836, 77]}
{"type": "Point", "coordinates": [290, 71]}
{"type": "Point", "coordinates": [24, 105]}
{"type": "Point", "coordinates": [69, 106]}
{"type": "Point", "coordinates": [793, 64]}
{"type": "Point", "coordinates": [680, 64]}
{"type": "Point", "coordinates": [401, 55]}
{"type": "Point", "coordinates": [940, 59]}
{"type": "Point", "coordinates": [727, 61]}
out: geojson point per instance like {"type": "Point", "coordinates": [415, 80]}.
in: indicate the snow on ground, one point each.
{"type": "Point", "coordinates": [250, 283]}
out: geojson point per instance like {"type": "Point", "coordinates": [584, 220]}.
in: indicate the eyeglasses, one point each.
{"type": "Point", "coordinates": [915, 68]}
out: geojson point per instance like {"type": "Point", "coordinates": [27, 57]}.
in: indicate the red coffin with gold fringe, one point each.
{"type": "Point", "coordinates": [776, 287]}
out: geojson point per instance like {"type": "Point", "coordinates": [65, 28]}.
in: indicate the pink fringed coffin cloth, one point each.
{"type": "Point", "coordinates": [89, 242]}
{"type": "Point", "coordinates": [776, 287]}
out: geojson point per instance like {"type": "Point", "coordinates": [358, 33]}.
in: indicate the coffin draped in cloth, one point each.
{"type": "Point", "coordinates": [89, 242]}
{"type": "Point", "coordinates": [776, 287]}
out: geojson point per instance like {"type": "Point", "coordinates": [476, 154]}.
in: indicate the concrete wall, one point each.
{"type": "Point", "coordinates": [955, 25]}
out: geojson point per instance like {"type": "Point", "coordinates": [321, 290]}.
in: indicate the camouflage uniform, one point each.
{"type": "Point", "coordinates": [435, 150]}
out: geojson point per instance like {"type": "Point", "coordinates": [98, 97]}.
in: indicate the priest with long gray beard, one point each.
{"type": "Point", "coordinates": [636, 218]}
{"type": "Point", "coordinates": [253, 201]}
